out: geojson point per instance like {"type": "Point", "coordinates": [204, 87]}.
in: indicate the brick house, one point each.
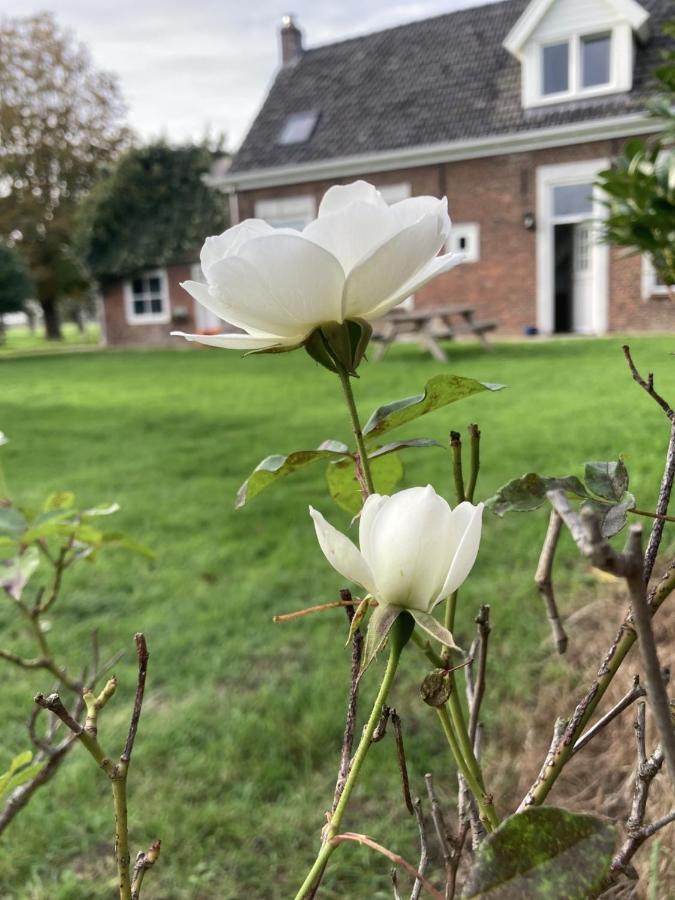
{"type": "Point", "coordinates": [510, 109]}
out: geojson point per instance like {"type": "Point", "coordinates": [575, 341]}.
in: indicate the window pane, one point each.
{"type": "Point", "coordinates": [573, 199]}
{"type": "Point", "coordinates": [137, 286]}
{"type": "Point", "coordinates": [595, 60]}
{"type": "Point", "coordinates": [156, 305]}
{"type": "Point", "coordinates": [297, 128]}
{"type": "Point", "coordinates": [555, 68]}
{"type": "Point", "coordinates": [155, 286]}
{"type": "Point", "coordinates": [139, 307]}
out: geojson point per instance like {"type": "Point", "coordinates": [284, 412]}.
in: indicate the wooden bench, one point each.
{"type": "Point", "coordinates": [427, 327]}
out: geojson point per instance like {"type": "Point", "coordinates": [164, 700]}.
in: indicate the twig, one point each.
{"type": "Point", "coordinates": [650, 515]}
{"type": "Point", "coordinates": [456, 450]}
{"type": "Point", "coordinates": [665, 491]}
{"type": "Point", "coordinates": [544, 580]}
{"type": "Point", "coordinates": [394, 883]}
{"type": "Point", "coordinates": [474, 435]}
{"type": "Point", "coordinates": [647, 385]}
{"type": "Point", "coordinates": [446, 842]}
{"type": "Point", "coordinates": [424, 849]}
{"type": "Point", "coordinates": [483, 625]}
{"type": "Point", "coordinates": [394, 857]}
{"type": "Point", "coordinates": [381, 729]}
{"type": "Point", "coordinates": [320, 607]}
{"type": "Point", "coordinates": [22, 794]}
{"type": "Point", "coordinates": [143, 656]}
{"type": "Point", "coordinates": [144, 860]}
{"type": "Point", "coordinates": [352, 702]}
{"type": "Point", "coordinates": [400, 753]}
{"type": "Point", "coordinates": [656, 690]}
{"type": "Point", "coordinates": [635, 693]}
{"type": "Point", "coordinates": [666, 486]}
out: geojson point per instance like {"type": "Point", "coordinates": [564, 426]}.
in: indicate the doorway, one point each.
{"type": "Point", "coordinates": [572, 263]}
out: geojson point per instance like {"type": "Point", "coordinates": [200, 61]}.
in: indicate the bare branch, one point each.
{"type": "Point", "coordinates": [381, 729]}
{"type": "Point", "coordinates": [394, 882]}
{"type": "Point", "coordinates": [656, 690]}
{"type": "Point", "coordinates": [544, 580]}
{"type": "Point", "coordinates": [478, 688]}
{"type": "Point", "coordinates": [144, 860]}
{"type": "Point", "coordinates": [445, 840]}
{"type": "Point", "coordinates": [456, 450]}
{"type": "Point", "coordinates": [647, 385]}
{"type": "Point", "coordinates": [635, 693]}
{"type": "Point", "coordinates": [665, 491]}
{"type": "Point", "coordinates": [54, 704]}
{"type": "Point", "coordinates": [394, 857]}
{"type": "Point", "coordinates": [424, 849]}
{"type": "Point", "coordinates": [143, 656]}
{"type": "Point", "coordinates": [400, 753]}
{"type": "Point", "coordinates": [474, 435]}
{"type": "Point", "coordinates": [659, 824]}
{"type": "Point", "coordinates": [352, 702]}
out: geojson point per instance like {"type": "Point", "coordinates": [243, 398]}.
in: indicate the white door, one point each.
{"type": "Point", "coordinates": [582, 278]}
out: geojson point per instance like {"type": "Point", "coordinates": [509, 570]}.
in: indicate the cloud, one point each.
{"type": "Point", "coordinates": [185, 67]}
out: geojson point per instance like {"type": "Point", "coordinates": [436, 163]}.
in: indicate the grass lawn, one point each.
{"type": "Point", "coordinates": [237, 750]}
{"type": "Point", "coordinates": [21, 339]}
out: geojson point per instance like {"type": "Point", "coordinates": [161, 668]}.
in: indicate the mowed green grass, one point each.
{"type": "Point", "coordinates": [237, 750]}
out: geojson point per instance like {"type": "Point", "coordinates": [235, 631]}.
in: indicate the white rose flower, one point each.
{"type": "Point", "coordinates": [357, 260]}
{"type": "Point", "coordinates": [414, 552]}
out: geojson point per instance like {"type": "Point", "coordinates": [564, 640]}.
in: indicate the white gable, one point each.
{"type": "Point", "coordinates": [551, 16]}
{"type": "Point", "coordinates": [566, 16]}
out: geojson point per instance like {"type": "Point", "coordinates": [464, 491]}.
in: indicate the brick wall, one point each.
{"type": "Point", "coordinates": [119, 331]}
{"type": "Point", "coordinates": [496, 192]}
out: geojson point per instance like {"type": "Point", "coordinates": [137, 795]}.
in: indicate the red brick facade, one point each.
{"type": "Point", "coordinates": [497, 192]}
{"type": "Point", "coordinates": [182, 314]}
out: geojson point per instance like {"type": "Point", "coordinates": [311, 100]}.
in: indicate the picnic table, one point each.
{"type": "Point", "coordinates": [427, 327]}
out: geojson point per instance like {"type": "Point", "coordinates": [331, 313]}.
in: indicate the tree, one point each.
{"type": "Point", "coordinates": [152, 209]}
{"type": "Point", "coordinates": [640, 186]}
{"type": "Point", "coordinates": [15, 284]}
{"type": "Point", "coordinates": [60, 122]}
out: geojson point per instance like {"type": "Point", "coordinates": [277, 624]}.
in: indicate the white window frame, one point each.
{"type": "Point", "coordinates": [549, 177]}
{"type": "Point", "coordinates": [650, 286]}
{"type": "Point", "coordinates": [287, 212]}
{"type": "Point", "coordinates": [620, 65]}
{"type": "Point", "coordinates": [134, 318]}
{"type": "Point", "coordinates": [470, 231]}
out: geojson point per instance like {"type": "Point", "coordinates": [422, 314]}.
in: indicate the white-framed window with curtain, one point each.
{"type": "Point", "coordinates": [287, 212]}
{"type": "Point", "coordinates": [465, 238]}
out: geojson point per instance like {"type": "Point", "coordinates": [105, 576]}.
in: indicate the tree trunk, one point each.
{"type": "Point", "coordinates": [52, 319]}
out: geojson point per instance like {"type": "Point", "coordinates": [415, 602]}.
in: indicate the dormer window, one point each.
{"type": "Point", "coordinates": [572, 50]}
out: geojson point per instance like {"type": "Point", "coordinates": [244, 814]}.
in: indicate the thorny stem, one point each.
{"type": "Point", "coordinates": [458, 477]}
{"type": "Point", "coordinates": [363, 461]}
{"type": "Point", "coordinates": [474, 433]}
{"type": "Point", "coordinates": [485, 805]}
{"type": "Point", "coordinates": [335, 821]}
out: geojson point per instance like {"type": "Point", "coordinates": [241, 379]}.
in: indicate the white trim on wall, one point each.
{"type": "Point", "coordinates": [651, 287]}
{"type": "Point", "coordinates": [433, 154]}
{"type": "Point", "coordinates": [549, 177]}
{"type": "Point", "coordinates": [465, 238]}
{"type": "Point", "coordinates": [134, 318]}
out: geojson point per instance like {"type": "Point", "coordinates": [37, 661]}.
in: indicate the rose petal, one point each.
{"type": "Point", "coordinates": [341, 195]}
{"type": "Point", "coordinates": [235, 341]}
{"type": "Point", "coordinates": [341, 553]}
{"type": "Point", "coordinates": [228, 243]}
{"type": "Point", "coordinates": [466, 525]}
{"type": "Point", "coordinates": [434, 267]}
{"type": "Point", "coordinates": [353, 232]}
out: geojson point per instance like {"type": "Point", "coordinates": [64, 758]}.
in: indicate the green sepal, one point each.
{"type": "Point", "coordinates": [317, 348]}
{"type": "Point", "coordinates": [357, 618]}
{"type": "Point", "coordinates": [340, 346]}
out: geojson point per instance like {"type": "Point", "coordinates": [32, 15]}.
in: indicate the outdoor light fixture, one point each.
{"type": "Point", "coordinates": [529, 221]}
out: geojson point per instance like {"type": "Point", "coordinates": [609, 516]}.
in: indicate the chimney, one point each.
{"type": "Point", "coordinates": [291, 41]}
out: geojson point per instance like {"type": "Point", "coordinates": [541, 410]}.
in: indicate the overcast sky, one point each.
{"type": "Point", "coordinates": [191, 66]}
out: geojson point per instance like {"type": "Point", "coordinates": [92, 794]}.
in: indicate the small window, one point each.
{"type": "Point", "coordinates": [573, 199]}
{"type": "Point", "coordinates": [465, 238]}
{"type": "Point", "coordinates": [394, 193]}
{"type": "Point", "coordinates": [298, 128]}
{"type": "Point", "coordinates": [287, 212]}
{"type": "Point", "coordinates": [147, 299]}
{"type": "Point", "coordinates": [555, 68]}
{"type": "Point", "coordinates": [595, 56]}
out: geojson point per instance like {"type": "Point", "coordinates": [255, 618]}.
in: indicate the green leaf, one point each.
{"type": "Point", "coordinates": [543, 852]}
{"type": "Point", "coordinates": [16, 573]}
{"type": "Point", "coordinates": [379, 626]}
{"type": "Point", "coordinates": [19, 772]}
{"type": "Point", "coordinates": [401, 445]}
{"type": "Point", "coordinates": [344, 488]}
{"type": "Point", "coordinates": [607, 479]}
{"type": "Point", "coordinates": [439, 391]}
{"type": "Point", "coordinates": [12, 523]}
{"type": "Point", "coordinates": [59, 500]}
{"type": "Point", "coordinates": [529, 492]}
{"type": "Point", "coordinates": [272, 468]}
{"type": "Point", "coordinates": [613, 517]}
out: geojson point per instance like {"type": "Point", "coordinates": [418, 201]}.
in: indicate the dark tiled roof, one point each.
{"type": "Point", "coordinates": [442, 79]}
